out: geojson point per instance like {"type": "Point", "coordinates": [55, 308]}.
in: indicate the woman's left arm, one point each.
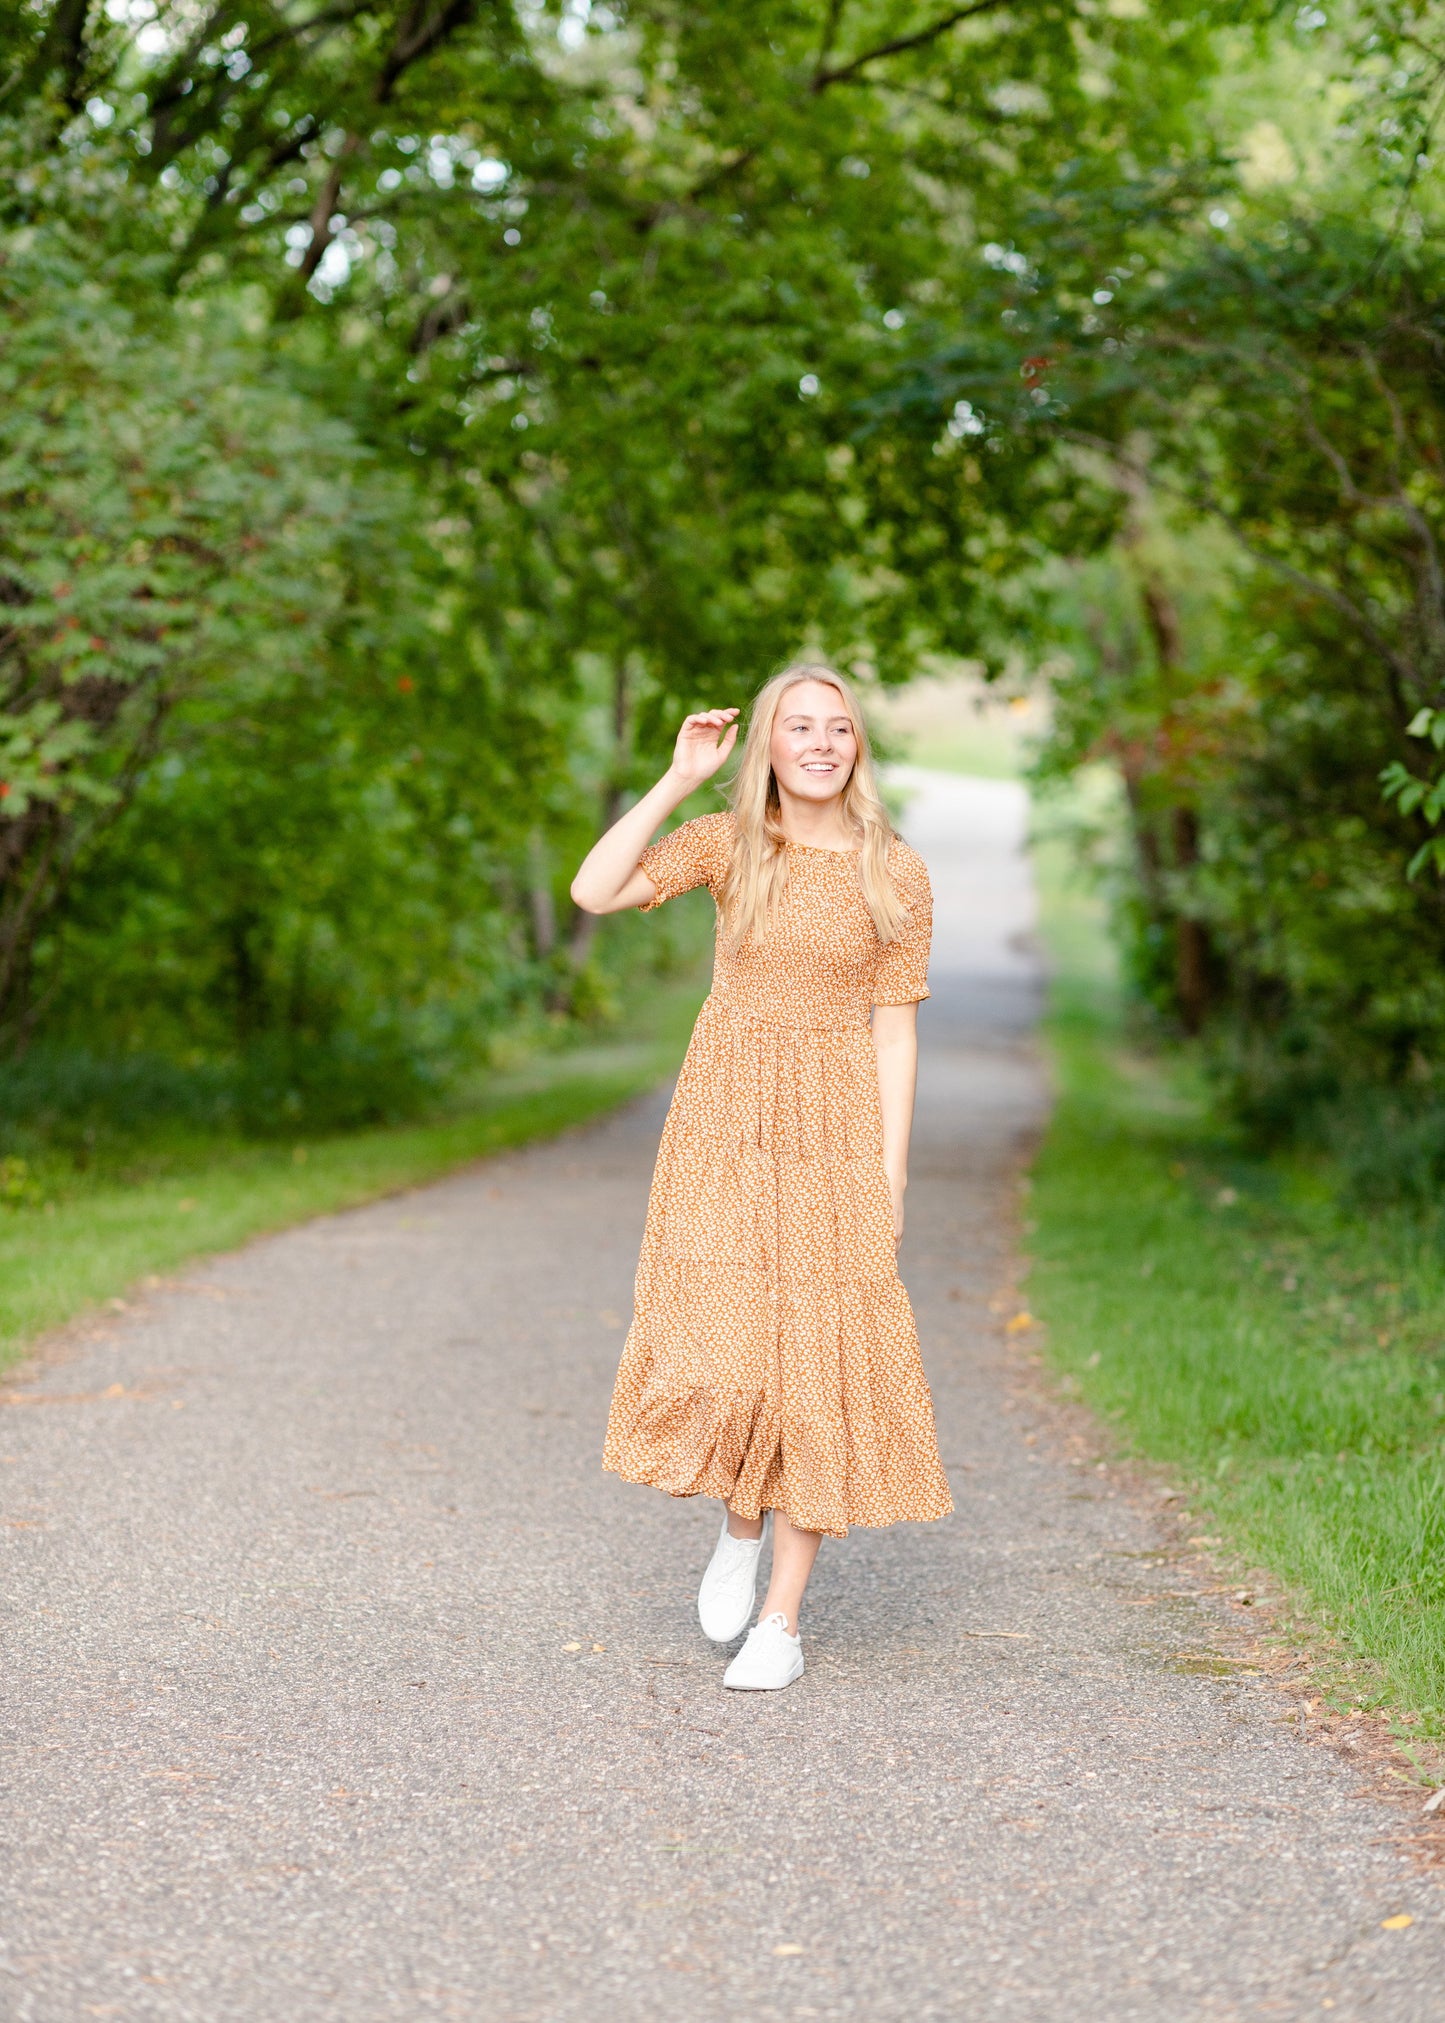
{"type": "Point", "coordinates": [895, 1041]}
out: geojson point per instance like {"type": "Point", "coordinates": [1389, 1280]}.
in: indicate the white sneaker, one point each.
{"type": "Point", "coordinates": [729, 1587]}
{"type": "Point", "coordinates": [770, 1658]}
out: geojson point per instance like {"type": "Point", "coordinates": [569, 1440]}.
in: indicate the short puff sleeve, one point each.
{"type": "Point", "coordinates": [697, 853]}
{"type": "Point", "coordinates": [900, 975]}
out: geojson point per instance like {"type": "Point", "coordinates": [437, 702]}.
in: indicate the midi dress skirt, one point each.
{"type": "Point", "coordinates": [773, 1359]}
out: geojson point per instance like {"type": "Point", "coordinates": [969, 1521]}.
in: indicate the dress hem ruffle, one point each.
{"type": "Point", "coordinates": [744, 1451]}
{"type": "Point", "coordinates": [798, 1515]}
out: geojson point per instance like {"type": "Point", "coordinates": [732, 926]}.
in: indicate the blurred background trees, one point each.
{"type": "Point", "coordinates": [410, 409]}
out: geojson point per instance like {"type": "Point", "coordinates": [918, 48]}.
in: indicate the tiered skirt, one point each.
{"type": "Point", "coordinates": [773, 1359]}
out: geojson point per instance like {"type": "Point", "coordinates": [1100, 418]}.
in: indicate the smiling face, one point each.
{"type": "Point", "coordinates": [814, 746]}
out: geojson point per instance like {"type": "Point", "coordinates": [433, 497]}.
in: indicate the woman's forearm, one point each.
{"type": "Point", "coordinates": [895, 1042]}
{"type": "Point", "coordinates": [897, 1081]}
{"type": "Point", "coordinates": [608, 871]}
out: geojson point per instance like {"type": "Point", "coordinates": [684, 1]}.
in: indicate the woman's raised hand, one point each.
{"type": "Point", "coordinates": [611, 876]}
{"type": "Point", "coordinates": [703, 745]}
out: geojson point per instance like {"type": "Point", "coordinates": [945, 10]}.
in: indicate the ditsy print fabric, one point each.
{"type": "Point", "coordinates": [773, 1359]}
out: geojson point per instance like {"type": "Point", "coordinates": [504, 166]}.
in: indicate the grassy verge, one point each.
{"type": "Point", "coordinates": [59, 1257]}
{"type": "Point", "coordinates": [1227, 1317]}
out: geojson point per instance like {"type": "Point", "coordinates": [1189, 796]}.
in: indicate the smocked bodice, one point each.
{"type": "Point", "coordinates": [821, 965]}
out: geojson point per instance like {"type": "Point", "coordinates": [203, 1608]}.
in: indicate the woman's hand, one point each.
{"type": "Point", "coordinates": [703, 745]}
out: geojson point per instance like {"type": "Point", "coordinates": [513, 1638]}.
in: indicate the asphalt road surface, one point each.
{"type": "Point", "coordinates": [340, 1683]}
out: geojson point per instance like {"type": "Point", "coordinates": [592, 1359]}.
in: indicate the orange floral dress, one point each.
{"type": "Point", "coordinates": [773, 1359]}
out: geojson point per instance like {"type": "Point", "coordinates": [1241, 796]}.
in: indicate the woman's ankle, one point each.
{"type": "Point", "coordinates": [750, 1528]}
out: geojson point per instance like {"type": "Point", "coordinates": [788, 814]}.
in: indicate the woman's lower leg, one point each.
{"type": "Point", "coordinates": [794, 1552]}
{"type": "Point", "coordinates": [743, 1527]}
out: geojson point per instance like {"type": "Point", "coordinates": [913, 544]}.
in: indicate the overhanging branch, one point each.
{"type": "Point", "coordinates": [844, 73]}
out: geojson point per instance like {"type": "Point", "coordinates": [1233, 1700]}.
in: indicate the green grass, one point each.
{"type": "Point", "coordinates": [58, 1258]}
{"type": "Point", "coordinates": [1227, 1317]}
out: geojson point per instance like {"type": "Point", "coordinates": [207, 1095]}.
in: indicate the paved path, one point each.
{"type": "Point", "coordinates": [341, 1685]}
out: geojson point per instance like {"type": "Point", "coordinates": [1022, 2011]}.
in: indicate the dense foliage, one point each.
{"type": "Point", "coordinates": [418, 405]}
{"type": "Point", "coordinates": [1261, 650]}
{"type": "Point", "coordinates": [411, 406]}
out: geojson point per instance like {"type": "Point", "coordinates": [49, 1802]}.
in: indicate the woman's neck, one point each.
{"type": "Point", "coordinates": [821, 824]}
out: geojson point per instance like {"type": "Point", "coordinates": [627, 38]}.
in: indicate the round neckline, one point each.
{"type": "Point", "coordinates": [820, 849]}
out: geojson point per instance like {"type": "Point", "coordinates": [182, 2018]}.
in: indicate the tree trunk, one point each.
{"type": "Point", "coordinates": [584, 925]}
{"type": "Point", "coordinates": [1192, 955]}
{"type": "Point", "coordinates": [539, 896]}
{"type": "Point", "coordinates": [1195, 964]}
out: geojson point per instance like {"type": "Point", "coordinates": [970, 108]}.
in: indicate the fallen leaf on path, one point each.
{"type": "Point", "coordinates": [787, 1952]}
{"type": "Point", "coordinates": [1019, 1322]}
{"type": "Point", "coordinates": [1434, 1802]}
{"type": "Point", "coordinates": [1396, 1924]}
{"type": "Point", "coordinates": [571, 1647]}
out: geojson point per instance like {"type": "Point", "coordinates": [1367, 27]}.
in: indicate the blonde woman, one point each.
{"type": "Point", "coordinates": [773, 1361]}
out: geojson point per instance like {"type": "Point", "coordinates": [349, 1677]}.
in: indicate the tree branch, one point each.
{"type": "Point", "coordinates": [830, 33]}
{"type": "Point", "coordinates": [844, 73]}
{"type": "Point", "coordinates": [1203, 499]}
{"type": "Point", "coordinates": [671, 207]}
{"type": "Point", "coordinates": [324, 209]}
{"type": "Point", "coordinates": [423, 28]}
{"type": "Point", "coordinates": [64, 51]}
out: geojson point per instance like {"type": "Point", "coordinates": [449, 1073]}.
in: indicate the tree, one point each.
{"type": "Point", "coordinates": [680, 338]}
{"type": "Point", "coordinates": [167, 517]}
{"type": "Point", "coordinates": [1265, 376]}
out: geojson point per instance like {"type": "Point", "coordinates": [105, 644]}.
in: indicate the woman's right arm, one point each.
{"type": "Point", "coordinates": [609, 879]}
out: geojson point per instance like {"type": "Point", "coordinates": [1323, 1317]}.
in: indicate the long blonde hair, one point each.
{"type": "Point", "coordinates": [758, 874]}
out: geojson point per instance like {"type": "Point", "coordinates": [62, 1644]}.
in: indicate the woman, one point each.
{"type": "Point", "coordinates": [773, 1360]}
